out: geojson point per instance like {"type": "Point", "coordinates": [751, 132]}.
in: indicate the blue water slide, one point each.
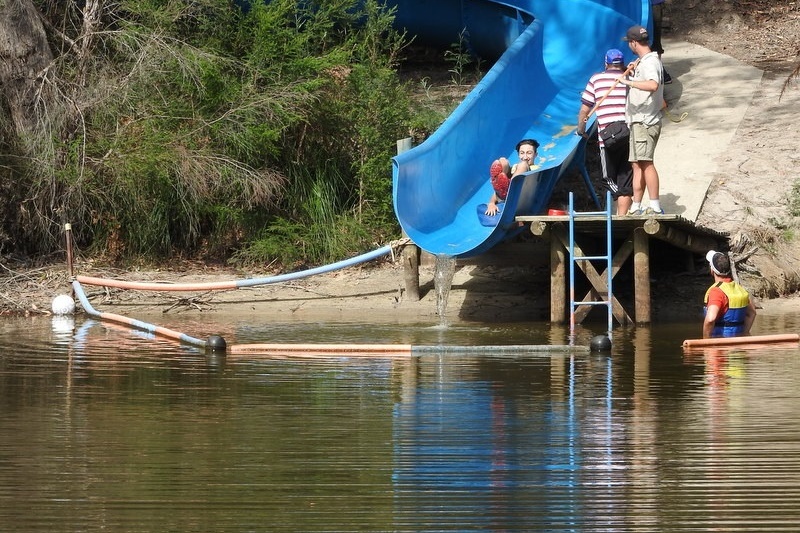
{"type": "Point", "coordinates": [546, 51]}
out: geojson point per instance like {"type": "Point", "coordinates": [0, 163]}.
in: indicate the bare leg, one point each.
{"type": "Point", "coordinates": [638, 181]}
{"type": "Point", "coordinates": [506, 166]}
{"type": "Point", "coordinates": [650, 178]}
{"type": "Point", "coordinates": [624, 205]}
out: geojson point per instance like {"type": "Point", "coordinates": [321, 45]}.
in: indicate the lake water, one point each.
{"type": "Point", "coordinates": [104, 428]}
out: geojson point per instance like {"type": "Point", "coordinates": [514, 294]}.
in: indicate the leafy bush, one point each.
{"type": "Point", "coordinates": [186, 128]}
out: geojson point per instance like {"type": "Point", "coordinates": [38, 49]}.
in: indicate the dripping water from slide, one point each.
{"type": "Point", "coordinates": [442, 281]}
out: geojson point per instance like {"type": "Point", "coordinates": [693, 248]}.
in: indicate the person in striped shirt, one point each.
{"type": "Point", "coordinates": [604, 91]}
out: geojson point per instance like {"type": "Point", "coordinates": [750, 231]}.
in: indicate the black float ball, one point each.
{"type": "Point", "coordinates": [600, 343]}
{"type": "Point", "coordinates": [215, 344]}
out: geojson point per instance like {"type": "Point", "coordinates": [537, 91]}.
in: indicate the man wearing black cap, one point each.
{"type": "Point", "coordinates": [643, 114]}
{"type": "Point", "coordinates": [729, 312]}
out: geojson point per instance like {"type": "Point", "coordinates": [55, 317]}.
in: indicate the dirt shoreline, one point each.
{"type": "Point", "coordinates": [374, 292]}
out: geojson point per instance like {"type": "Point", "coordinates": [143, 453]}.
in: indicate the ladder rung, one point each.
{"type": "Point", "coordinates": [591, 258]}
{"type": "Point", "coordinates": [599, 302]}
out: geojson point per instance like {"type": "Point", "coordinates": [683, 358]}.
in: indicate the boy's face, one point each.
{"type": "Point", "coordinates": [527, 153]}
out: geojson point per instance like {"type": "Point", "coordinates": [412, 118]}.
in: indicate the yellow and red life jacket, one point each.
{"type": "Point", "coordinates": [731, 322]}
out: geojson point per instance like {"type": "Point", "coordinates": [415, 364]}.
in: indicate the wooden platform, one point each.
{"type": "Point", "coordinates": [632, 236]}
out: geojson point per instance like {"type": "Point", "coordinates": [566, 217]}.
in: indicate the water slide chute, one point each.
{"type": "Point", "coordinates": [548, 50]}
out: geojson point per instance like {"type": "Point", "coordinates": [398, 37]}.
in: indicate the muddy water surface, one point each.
{"type": "Point", "coordinates": [102, 428]}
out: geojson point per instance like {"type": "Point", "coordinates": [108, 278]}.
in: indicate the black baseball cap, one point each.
{"type": "Point", "coordinates": [637, 33]}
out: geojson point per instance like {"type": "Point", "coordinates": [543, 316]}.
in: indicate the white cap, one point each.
{"type": "Point", "coordinates": [710, 258]}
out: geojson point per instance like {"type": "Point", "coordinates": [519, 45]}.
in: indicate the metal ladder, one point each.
{"type": "Point", "coordinates": [573, 215]}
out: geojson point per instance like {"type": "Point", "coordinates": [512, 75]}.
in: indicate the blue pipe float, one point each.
{"type": "Point", "coordinates": [235, 284]}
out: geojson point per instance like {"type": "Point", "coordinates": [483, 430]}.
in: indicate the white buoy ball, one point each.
{"type": "Point", "coordinates": [63, 304]}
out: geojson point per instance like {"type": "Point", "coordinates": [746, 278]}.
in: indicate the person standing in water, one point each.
{"type": "Point", "coordinates": [729, 311]}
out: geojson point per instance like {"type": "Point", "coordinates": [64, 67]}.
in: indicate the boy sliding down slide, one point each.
{"type": "Point", "coordinates": [500, 173]}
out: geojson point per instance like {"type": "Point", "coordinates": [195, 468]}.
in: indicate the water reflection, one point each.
{"type": "Point", "coordinates": [105, 428]}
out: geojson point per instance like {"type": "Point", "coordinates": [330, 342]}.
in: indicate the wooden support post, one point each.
{"type": "Point", "coordinates": [558, 269]}
{"type": "Point", "coordinates": [68, 237]}
{"type": "Point", "coordinates": [641, 276]}
{"type": "Point", "coordinates": [539, 228]}
{"type": "Point", "coordinates": [410, 257]}
{"type": "Point", "coordinates": [411, 252]}
{"type": "Point", "coordinates": [70, 261]}
{"type": "Point", "coordinates": [558, 303]}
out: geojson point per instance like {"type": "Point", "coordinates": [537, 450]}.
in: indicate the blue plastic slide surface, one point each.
{"type": "Point", "coordinates": [547, 51]}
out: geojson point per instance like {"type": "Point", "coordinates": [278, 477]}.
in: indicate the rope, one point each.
{"type": "Point", "coordinates": [399, 244]}
{"type": "Point", "coordinates": [673, 118]}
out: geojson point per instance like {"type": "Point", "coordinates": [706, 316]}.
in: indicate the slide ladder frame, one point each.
{"type": "Point", "coordinates": [607, 257]}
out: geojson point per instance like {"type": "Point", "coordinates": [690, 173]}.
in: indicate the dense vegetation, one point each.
{"type": "Point", "coordinates": [162, 128]}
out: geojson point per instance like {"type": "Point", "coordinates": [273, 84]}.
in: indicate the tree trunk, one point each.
{"type": "Point", "coordinates": [24, 58]}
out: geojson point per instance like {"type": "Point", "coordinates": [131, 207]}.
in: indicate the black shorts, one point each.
{"type": "Point", "coordinates": [617, 171]}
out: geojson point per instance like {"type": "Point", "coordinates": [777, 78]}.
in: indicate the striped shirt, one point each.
{"type": "Point", "coordinates": [612, 109]}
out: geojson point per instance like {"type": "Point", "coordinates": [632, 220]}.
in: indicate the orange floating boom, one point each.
{"type": "Point", "coordinates": [133, 323]}
{"type": "Point", "coordinates": [754, 339]}
{"type": "Point", "coordinates": [157, 286]}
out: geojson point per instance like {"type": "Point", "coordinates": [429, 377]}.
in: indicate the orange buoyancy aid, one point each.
{"type": "Point", "coordinates": [731, 323]}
